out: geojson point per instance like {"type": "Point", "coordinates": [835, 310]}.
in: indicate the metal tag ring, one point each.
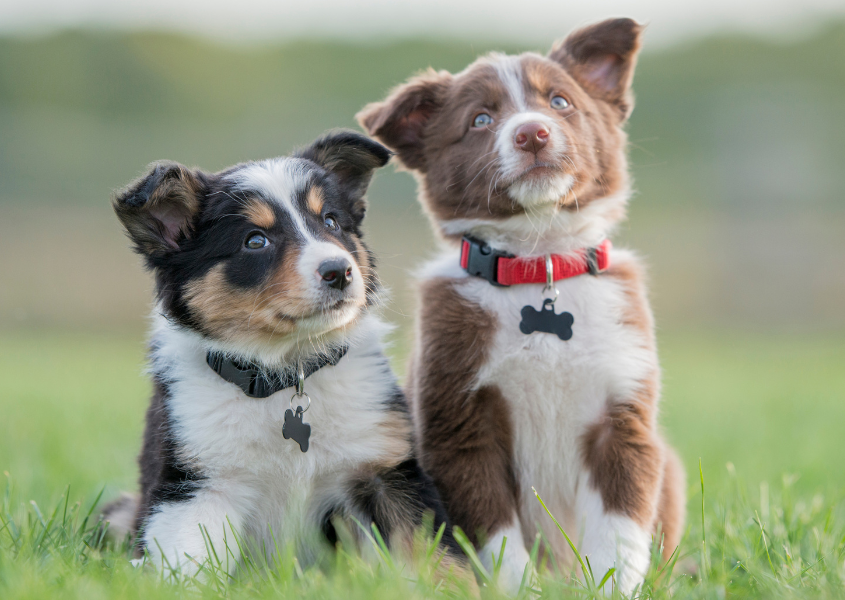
{"type": "Point", "coordinates": [550, 278]}
{"type": "Point", "coordinates": [298, 395]}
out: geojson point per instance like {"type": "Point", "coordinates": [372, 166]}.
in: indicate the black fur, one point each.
{"type": "Point", "coordinates": [400, 495]}
{"type": "Point", "coordinates": [206, 234]}
{"type": "Point", "coordinates": [165, 476]}
{"type": "Point", "coordinates": [185, 222]}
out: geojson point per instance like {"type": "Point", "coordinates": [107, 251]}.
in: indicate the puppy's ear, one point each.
{"type": "Point", "coordinates": [157, 210]}
{"type": "Point", "coordinates": [400, 120]}
{"type": "Point", "coordinates": [352, 158]}
{"type": "Point", "coordinates": [602, 58]}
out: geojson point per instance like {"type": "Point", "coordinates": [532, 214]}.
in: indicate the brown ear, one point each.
{"type": "Point", "coordinates": [602, 58]}
{"type": "Point", "coordinates": [157, 210]}
{"type": "Point", "coordinates": [399, 121]}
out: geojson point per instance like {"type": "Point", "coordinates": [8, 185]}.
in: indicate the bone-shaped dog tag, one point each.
{"type": "Point", "coordinates": [546, 321]}
{"type": "Point", "coordinates": [295, 429]}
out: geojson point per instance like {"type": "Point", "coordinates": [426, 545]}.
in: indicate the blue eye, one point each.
{"type": "Point", "coordinates": [559, 102]}
{"type": "Point", "coordinates": [256, 241]}
{"type": "Point", "coordinates": [482, 120]}
{"type": "Point", "coordinates": [331, 222]}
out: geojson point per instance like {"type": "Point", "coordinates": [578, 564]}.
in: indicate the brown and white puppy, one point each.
{"type": "Point", "coordinates": [527, 154]}
{"type": "Point", "coordinates": [260, 268]}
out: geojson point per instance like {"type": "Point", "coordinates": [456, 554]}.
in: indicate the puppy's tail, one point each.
{"type": "Point", "coordinates": [120, 514]}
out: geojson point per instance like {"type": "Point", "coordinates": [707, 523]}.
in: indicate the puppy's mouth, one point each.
{"type": "Point", "coordinates": [539, 170]}
{"type": "Point", "coordinates": [328, 310]}
{"type": "Point", "coordinates": [540, 183]}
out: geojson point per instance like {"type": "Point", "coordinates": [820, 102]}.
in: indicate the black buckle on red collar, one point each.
{"type": "Point", "coordinates": [482, 260]}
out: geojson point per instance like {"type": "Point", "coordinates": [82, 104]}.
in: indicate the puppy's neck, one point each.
{"type": "Point", "coordinates": [545, 230]}
{"type": "Point", "coordinates": [170, 339]}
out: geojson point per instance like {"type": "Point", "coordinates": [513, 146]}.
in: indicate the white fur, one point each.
{"type": "Point", "coordinates": [515, 560]}
{"type": "Point", "coordinates": [529, 192]}
{"type": "Point", "coordinates": [556, 390]}
{"type": "Point", "coordinates": [611, 541]}
{"type": "Point", "coordinates": [277, 179]}
{"type": "Point", "coordinates": [513, 161]}
{"type": "Point", "coordinates": [548, 229]}
{"type": "Point", "coordinates": [312, 254]}
{"type": "Point", "coordinates": [256, 479]}
{"type": "Point", "coordinates": [509, 69]}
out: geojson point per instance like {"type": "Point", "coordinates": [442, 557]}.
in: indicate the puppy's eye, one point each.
{"type": "Point", "coordinates": [331, 222]}
{"type": "Point", "coordinates": [256, 241]}
{"type": "Point", "coordinates": [559, 102]}
{"type": "Point", "coordinates": [482, 120]}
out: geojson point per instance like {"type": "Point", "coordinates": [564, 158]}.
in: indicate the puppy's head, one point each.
{"type": "Point", "coordinates": [511, 134]}
{"type": "Point", "coordinates": [262, 251]}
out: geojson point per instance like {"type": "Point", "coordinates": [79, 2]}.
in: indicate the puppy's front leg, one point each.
{"type": "Point", "coordinates": [185, 536]}
{"type": "Point", "coordinates": [514, 559]}
{"type": "Point", "coordinates": [465, 432]}
{"type": "Point", "coordinates": [617, 502]}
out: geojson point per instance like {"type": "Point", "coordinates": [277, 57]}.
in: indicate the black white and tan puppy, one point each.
{"type": "Point", "coordinates": [521, 164]}
{"type": "Point", "coordinates": [275, 412]}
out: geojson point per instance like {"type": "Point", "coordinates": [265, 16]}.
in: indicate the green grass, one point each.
{"type": "Point", "coordinates": [763, 415]}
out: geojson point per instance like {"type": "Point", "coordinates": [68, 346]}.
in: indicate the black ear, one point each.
{"type": "Point", "coordinates": [157, 210]}
{"type": "Point", "coordinates": [352, 158]}
{"type": "Point", "coordinates": [602, 58]}
{"type": "Point", "coordinates": [400, 120]}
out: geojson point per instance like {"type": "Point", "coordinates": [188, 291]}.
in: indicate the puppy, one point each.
{"type": "Point", "coordinates": [535, 363]}
{"type": "Point", "coordinates": [276, 416]}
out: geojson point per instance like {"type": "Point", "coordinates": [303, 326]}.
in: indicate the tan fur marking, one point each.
{"type": "Point", "coordinates": [397, 433]}
{"type": "Point", "coordinates": [259, 214]}
{"type": "Point", "coordinates": [625, 459]}
{"type": "Point", "coordinates": [233, 314]}
{"type": "Point", "coordinates": [636, 313]}
{"type": "Point", "coordinates": [466, 435]}
{"type": "Point", "coordinates": [315, 200]}
{"type": "Point", "coordinates": [370, 275]}
{"type": "Point", "coordinates": [671, 509]}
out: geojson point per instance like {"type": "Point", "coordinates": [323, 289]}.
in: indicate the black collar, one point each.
{"type": "Point", "coordinates": [259, 383]}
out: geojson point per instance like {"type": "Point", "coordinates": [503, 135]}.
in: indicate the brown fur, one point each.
{"type": "Point", "coordinates": [157, 224]}
{"type": "Point", "coordinates": [466, 435]}
{"type": "Point", "coordinates": [633, 469]}
{"type": "Point", "coordinates": [315, 200]}
{"type": "Point", "coordinates": [625, 460]}
{"type": "Point", "coordinates": [671, 508]}
{"type": "Point", "coordinates": [229, 312]}
{"type": "Point", "coordinates": [428, 122]}
{"type": "Point", "coordinates": [637, 313]}
{"type": "Point", "coordinates": [260, 214]}
{"type": "Point", "coordinates": [454, 162]}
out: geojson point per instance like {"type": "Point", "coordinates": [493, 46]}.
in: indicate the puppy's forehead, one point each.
{"type": "Point", "coordinates": [277, 179]}
{"type": "Point", "coordinates": [512, 78]}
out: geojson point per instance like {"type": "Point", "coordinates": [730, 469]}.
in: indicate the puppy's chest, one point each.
{"type": "Point", "coordinates": [555, 388]}
{"type": "Point", "coordinates": [229, 435]}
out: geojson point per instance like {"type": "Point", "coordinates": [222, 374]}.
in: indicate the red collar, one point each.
{"type": "Point", "coordinates": [503, 269]}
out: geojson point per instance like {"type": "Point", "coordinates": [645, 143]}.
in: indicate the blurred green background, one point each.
{"type": "Point", "coordinates": [737, 147]}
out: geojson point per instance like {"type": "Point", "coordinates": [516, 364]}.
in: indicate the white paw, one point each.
{"type": "Point", "coordinates": [513, 564]}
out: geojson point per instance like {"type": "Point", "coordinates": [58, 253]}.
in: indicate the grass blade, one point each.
{"type": "Point", "coordinates": [588, 574]}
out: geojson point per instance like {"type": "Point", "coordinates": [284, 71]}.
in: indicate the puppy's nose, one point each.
{"type": "Point", "coordinates": [531, 137]}
{"type": "Point", "coordinates": [336, 272]}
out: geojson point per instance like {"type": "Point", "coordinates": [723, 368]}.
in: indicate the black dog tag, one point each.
{"type": "Point", "coordinates": [295, 429]}
{"type": "Point", "coordinates": [546, 321]}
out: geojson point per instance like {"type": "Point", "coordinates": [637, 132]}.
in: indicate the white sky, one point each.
{"type": "Point", "coordinates": [527, 21]}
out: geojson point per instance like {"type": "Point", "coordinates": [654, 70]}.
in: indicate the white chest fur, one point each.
{"type": "Point", "coordinates": [555, 389]}
{"type": "Point", "coordinates": [253, 476]}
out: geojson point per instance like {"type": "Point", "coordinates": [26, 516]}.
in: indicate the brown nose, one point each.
{"type": "Point", "coordinates": [531, 137]}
